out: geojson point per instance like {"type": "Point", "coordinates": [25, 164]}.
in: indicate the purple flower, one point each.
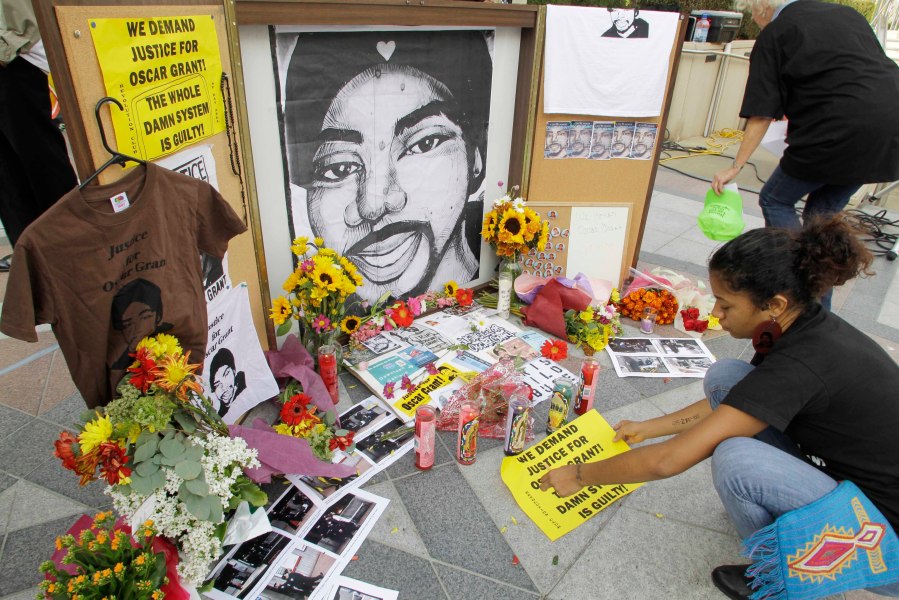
{"type": "Point", "coordinates": [388, 389]}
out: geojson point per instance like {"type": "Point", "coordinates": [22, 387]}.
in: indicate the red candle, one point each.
{"type": "Point", "coordinates": [425, 432]}
{"type": "Point", "coordinates": [327, 368]}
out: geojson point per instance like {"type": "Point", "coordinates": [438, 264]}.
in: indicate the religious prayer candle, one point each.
{"type": "Point", "coordinates": [648, 322]}
{"type": "Point", "coordinates": [516, 425]}
{"type": "Point", "coordinates": [587, 393]}
{"type": "Point", "coordinates": [564, 391]}
{"type": "Point", "coordinates": [327, 368]}
{"type": "Point", "coordinates": [469, 415]}
{"type": "Point", "coordinates": [425, 432]}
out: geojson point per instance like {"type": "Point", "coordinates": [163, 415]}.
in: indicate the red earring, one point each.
{"type": "Point", "coordinates": [765, 334]}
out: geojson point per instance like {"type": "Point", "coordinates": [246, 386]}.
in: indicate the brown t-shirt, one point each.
{"type": "Point", "coordinates": [104, 280]}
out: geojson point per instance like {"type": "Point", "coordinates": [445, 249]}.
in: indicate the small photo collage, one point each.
{"type": "Point", "coordinates": [600, 140]}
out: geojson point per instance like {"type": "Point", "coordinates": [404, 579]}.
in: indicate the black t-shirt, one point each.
{"type": "Point", "coordinates": [822, 66]}
{"type": "Point", "coordinates": [834, 392]}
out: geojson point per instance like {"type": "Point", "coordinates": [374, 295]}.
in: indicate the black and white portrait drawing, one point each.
{"type": "Point", "coordinates": [385, 143]}
{"type": "Point", "coordinates": [137, 313]}
{"type": "Point", "coordinates": [225, 380]}
{"type": "Point", "coordinates": [601, 142]}
{"type": "Point", "coordinates": [622, 138]}
{"type": "Point", "coordinates": [579, 135]}
{"type": "Point", "coordinates": [626, 24]}
{"type": "Point", "coordinates": [644, 140]}
{"type": "Point", "coordinates": [556, 143]}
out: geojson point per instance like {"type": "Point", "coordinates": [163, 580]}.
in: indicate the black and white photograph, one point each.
{"type": "Point", "coordinates": [385, 139]}
{"type": "Point", "coordinates": [299, 574]}
{"type": "Point", "coordinates": [363, 416]}
{"type": "Point", "coordinates": [579, 136]}
{"type": "Point", "coordinates": [292, 511]}
{"type": "Point", "coordinates": [556, 143]}
{"type": "Point", "coordinates": [381, 344]}
{"type": "Point", "coordinates": [644, 140]}
{"type": "Point", "coordinates": [680, 346]}
{"type": "Point", "coordinates": [377, 449]}
{"type": "Point", "coordinates": [622, 138]}
{"type": "Point", "coordinates": [601, 142]}
{"type": "Point", "coordinates": [626, 24]}
{"type": "Point", "coordinates": [243, 570]}
{"type": "Point", "coordinates": [416, 335]}
{"type": "Point", "coordinates": [694, 365]}
{"type": "Point", "coordinates": [334, 529]}
{"type": "Point", "coordinates": [326, 487]}
{"type": "Point", "coordinates": [347, 588]}
{"type": "Point", "coordinates": [632, 346]}
{"type": "Point", "coordinates": [641, 364]}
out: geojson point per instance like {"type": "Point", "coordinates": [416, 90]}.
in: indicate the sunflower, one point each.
{"type": "Point", "coordinates": [281, 310]}
{"type": "Point", "coordinates": [292, 282]}
{"type": "Point", "coordinates": [531, 222]}
{"type": "Point", "coordinates": [544, 236]}
{"type": "Point", "coordinates": [511, 227]}
{"type": "Point", "coordinates": [350, 324]}
{"type": "Point", "coordinates": [450, 288]}
{"type": "Point", "coordinates": [489, 230]}
{"type": "Point", "coordinates": [319, 241]}
{"type": "Point", "coordinates": [325, 275]}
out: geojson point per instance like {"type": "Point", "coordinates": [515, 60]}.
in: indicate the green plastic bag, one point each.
{"type": "Point", "coordinates": [722, 217]}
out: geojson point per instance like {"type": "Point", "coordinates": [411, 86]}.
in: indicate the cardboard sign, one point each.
{"type": "Point", "coordinates": [586, 439]}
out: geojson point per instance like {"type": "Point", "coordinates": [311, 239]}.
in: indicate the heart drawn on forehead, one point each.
{"type": "Point", "coordinates": [386, 49]}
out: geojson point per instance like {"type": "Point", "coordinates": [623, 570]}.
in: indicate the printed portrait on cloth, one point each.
{"type": "Point", "coordinates": [385, 142]}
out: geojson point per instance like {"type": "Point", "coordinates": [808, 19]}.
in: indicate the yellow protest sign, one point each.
{"type": "Point", "coordinates": [586, 439]}
{"type": "Point", "coordinates": [421, 395]}
{"type": "Point", "coordinates": [166, 72]}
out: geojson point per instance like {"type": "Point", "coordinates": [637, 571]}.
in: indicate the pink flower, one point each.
{"type": "Point", "coordinates": [500, 183]}
{"type": "Point", "coordinates": [388, 389]}
{"type": "Point", "coordinates": [444, 302]}
{"type": "Point", "coordinates": [407, 384]}
{"type": "Point", "coordinates": [308, 266]}
{"type": "Point", "coordinates": [431, 369]}
{"type": "Point", "coordinates": [321, 323]}
{"type": "Point", "coordinates": [414, 305]}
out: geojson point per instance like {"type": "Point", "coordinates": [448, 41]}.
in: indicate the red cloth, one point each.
{"type": "Point", "coordinates": [547, 312]}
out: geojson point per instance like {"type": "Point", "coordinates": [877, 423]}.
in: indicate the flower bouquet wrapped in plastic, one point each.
{"type": "Point", "coordinates": [492, 388]}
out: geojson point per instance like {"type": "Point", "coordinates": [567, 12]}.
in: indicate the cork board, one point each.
{"type": "Point", "coordinates": [81, 76]}
{"type": "Point", "coordinates": [587, 238]}
{"type": "Point", "coordinates": [575, 182]}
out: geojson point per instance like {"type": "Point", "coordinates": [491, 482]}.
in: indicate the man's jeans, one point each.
{"type": "Point", "coordinates": [781, 192]}
{"type": "Point", "coordinates": [758, 479]}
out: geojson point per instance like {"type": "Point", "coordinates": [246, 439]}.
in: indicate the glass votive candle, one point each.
{"type": "Point", "coordinates": [648, 321]}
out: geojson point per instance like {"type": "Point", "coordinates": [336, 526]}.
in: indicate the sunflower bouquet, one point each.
{"type": "Point", "coordinates": [317, 291]}
{"type": "Point", "coordinates": [512, 228]}
{"type": "Point", "coordinates": [300, 419]}
{"type": "Point", "coordinates": [165, 453]}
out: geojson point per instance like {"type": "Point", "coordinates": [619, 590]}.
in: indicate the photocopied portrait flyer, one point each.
{"type": "Point", "coordinates": [586, 439]}
{"type": "Point", "coordinates": [659, 357]}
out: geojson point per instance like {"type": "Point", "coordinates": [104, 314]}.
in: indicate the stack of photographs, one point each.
{"type": "Point", "coordinates": [659, 357]}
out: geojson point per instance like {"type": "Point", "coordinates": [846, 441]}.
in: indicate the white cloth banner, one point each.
{"type": "Point", "coordinates": [607, 62]}
{"type": "Point", "coordinates": [237, 376]}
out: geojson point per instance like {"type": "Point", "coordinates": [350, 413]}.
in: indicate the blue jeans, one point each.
{"type": "Point", "coordinates": [781, 192]}
{"type": "Point", "coordinates": [754, 497]}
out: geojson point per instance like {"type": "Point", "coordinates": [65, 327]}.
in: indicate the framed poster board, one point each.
{"type": "Point", "coordinates": [588, 238]}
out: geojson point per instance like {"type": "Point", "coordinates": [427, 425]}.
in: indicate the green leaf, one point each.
{"type": "Point", "coordinates": [157, 480]}
{"type": "Point", "coordinates": [197, 486]}
{"type": "Point", "coordinates": [220, 530]}
{"type": "Point", "coordinates": [216, 514]}
{"type": "Point", "coordinates": [284, 328]}
{"type": "Point", "coordinates": [198, 507]}
{"type": "Point", "coordinates": [172, 448]}
{"type": "Point", "coordinates": [147, 436]}
{"type": "Point", "coordinates": [254, 495]}
{"type": "Point", "coordinates": [341, 432]}
{"type": "Point", "coordinates": [186, 421]}
{"type": "Point", "coordinates": [146, 469]}
{"type": "Point", "coordinates": [193, 453]}
{"type": "Point", "coordinates": [159, 572]}
{"type": "Point", "coordinates": [141, 485]}
{"type": "Point", "coordinates": [146, 451]}
{"type": "Point", "coordinates": [188, 469]}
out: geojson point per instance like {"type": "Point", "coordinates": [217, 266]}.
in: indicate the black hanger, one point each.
{"type": "Point", "coordinates": [117, 157]}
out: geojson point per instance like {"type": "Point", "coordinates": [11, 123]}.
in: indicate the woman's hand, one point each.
{"type": "Point", "coordinates": [561, 479]}
{"type": "Point", "coordinates": [631, 432]}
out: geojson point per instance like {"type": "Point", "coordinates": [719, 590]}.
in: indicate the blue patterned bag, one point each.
{"type": "Point", "coordinates": [837, 543]}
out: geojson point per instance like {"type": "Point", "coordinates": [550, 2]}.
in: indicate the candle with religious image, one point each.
{"type": "Point", "coordinates": [467, 445]}
{"type": "Point", "coordinates": [516, 425]}
{"type": "Point", "coordinates": [327, 368]}
{"type": "Point", "coordinates": [587, 393]}
{"type": "Point", "coordinates": [425, 432]}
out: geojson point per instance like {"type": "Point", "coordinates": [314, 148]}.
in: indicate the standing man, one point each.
{"type": "Point", "coordinates": [821, 66]}
{"type": "Point", "coordinates": [35, 170]}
